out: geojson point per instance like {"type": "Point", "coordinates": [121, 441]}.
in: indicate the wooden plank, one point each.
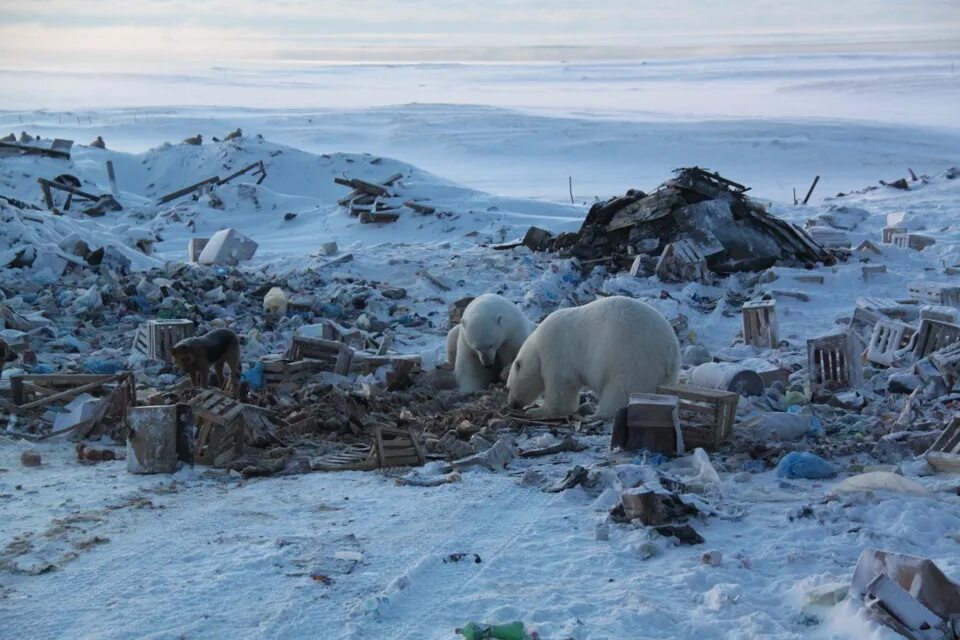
{"type": "Point", "coordinates": [182, 192]}
{"type": "Point", "coordinates": [255, 165]}
{"type": "Point", "coordinates": [38, 151]}
{"type": "Point", "coordinates": [69, 393]}
{"type": "Point", "coordinates": [63, 187]}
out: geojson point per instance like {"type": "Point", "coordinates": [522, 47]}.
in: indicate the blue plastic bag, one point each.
{"type": "Point", "coordinates": [803, 464]}
{"type": "Point", "coordinates": [101, 367]}
{"type": "Point", "coordinates": [254, 375]}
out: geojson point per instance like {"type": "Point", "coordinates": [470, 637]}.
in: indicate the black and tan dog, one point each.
{"type": "Point", "coordinates": [6, 354]}
{"type": "Point", "coordinates": [218, 348]}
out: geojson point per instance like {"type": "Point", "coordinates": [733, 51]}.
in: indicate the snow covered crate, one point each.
{"type": "Point", "coordinates": [947, 362]}
{"type": "Point", "coordinates": [934, 335]}
{"type": "Point", "coordinates": [889, 337]}
{"type": "Point", "coordinates": [706, 415]}
{"type": "Point", "coordinates": [944, 453]}
{"type": "Point", "coordinates": [155, 339]}
{"type": "Point", "coordinates": [936, 293]}
{"type": "Point", "coordinates": [277, 370]}
{"type": "Point", "coordinates": [832, 362]}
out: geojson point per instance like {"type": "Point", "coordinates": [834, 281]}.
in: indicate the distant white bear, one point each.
{"type": "Point", "coordinates": [275, 303]}
{"type": "Point", "coordinates": [486, 341]}
{"type": "Point", "coordinates": [614, 346]}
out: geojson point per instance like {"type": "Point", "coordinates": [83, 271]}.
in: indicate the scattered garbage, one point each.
{"type": "Point", "coordinates": [803, 464]}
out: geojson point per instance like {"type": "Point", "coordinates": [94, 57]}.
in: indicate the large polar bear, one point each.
{"type": "Point", "coordinates": [484, 344]}
{"type": "Point", "coordinates": [614, 346]}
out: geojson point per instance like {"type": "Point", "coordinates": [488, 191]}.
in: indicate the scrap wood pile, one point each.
{"type": "Point", "coordinates": [379, 202]}
{"type": "Point", "coordinates": [692, 225]}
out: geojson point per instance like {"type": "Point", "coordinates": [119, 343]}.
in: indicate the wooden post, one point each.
{"type": "Point", "coordinates": [913, 176]}
{"type": "Point", "coordinates": [812, 187]}
{"type": "Point", "coordinates": [113, 178]}
{"type": "Point", "coordinates": [570, 184]}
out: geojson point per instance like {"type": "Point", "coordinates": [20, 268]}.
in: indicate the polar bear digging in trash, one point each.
{"type": "Point", "coordinates": [484, 344]}
{"type": "Point", "coordinates": [614, 346]}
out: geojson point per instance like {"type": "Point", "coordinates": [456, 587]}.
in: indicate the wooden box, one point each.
{"type": "Point", "coordinates": [889, 337]}
{"type": "Point", "coordinates": [944, 453]}
{"type": "Point", "coordinates": [156, 338]}
{"type": "Point", "coordinates": [832, 362]}
{"type": "Point", "coordinates": [935, 293]}
{"type": "Point", "coordinates": [221, 435]}
{"type": "Point", "coordinates": [934, 335]}
{"type": "Point", "coordinates": [649, 421]}
{"type": "Point", "coordinates": [947, 362]}
{"type": "Point", "coordinates": [760, 323]}
{"type": "Point", "coordinates": [335, 355]}
{"type": "Point", "coordinates": [706, 415]}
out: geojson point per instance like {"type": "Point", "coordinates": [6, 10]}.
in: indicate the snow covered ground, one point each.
{"type": "Point", "coordinates": [204, 554]}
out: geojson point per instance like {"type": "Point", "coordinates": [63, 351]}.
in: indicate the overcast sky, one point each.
{"type": "Point", "coordinates": [126, 34]}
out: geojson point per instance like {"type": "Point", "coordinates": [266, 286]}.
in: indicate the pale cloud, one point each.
{"type": "Point", "coordinates": [102, 32]}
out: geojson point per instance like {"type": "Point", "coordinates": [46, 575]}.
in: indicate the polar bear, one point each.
{"type": "Point", "coordinates": [484, 344]}
{"type": "Point", "coordinates": [275, 303]}
{"type": "Point", "coordinates": [614, 346]}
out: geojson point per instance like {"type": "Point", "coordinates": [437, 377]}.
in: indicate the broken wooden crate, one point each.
{"type": "Point", "coordinates": [335, 356]}
{"type": "Point", "coordinates": [832, 362]}
{"type": "Point", "coordinates": [869, 311]}
{"type": "Point", "coordinates": [649, 421]}
{"type": "Point", "coordinates": [934, 335]}
{"type": "Point", "coordinates": [947, 362]}
{"type": "Point", "coordinates": [706, 415]}
{"type": "Point", "coordinates": [935, 293]}
{"type": "Point", "coordinates": [873, 271]}
{"type": "Point", "coordinates": [889, 232]}
{"type": "Point", "coordinates": [683, 261]}
{"type": "Point", "coordinates": [915, 241]}
{"type": "Point", "coordinates": [40, 392]}
{"type": "Point", "coordinates": [279, 371]}
{"type": "Point", "coordinates": [155, 339]}
{"type": "Point", "coordinates": [944, 453]}
{"type": "Point", "coordinates": [390, 447]}
{"type": "Point", "coordinates": [889, 338]}
{"type": "Point", "coordinates": [221, 428]}
{"type": "Point", "coordinates": [760, 327]}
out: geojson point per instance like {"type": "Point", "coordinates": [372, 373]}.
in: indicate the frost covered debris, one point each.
{"type": "Point", "coordinates": [390, 305]}
{"type": "Point", "coordinates": [694, 223]}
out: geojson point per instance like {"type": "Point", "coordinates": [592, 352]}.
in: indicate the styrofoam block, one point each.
{"type": "Point", "coordinates": [228, 247]}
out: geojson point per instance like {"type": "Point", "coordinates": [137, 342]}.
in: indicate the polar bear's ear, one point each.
{"type": "Point", "coordinates": [517, 363]}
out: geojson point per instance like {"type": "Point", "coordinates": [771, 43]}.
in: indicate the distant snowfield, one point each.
{"type": "Point", "coordinates": [203, 554]}
{"type": "Point", "coordinates": [523, 130]}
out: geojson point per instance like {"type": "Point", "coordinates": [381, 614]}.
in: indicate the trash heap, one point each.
{"type": "Point", "coordinates": [693, 225]}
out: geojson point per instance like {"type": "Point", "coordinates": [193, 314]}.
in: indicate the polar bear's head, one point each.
{"type": "Point", "coordinates": [525, 382]}
{"type": "Point", "coordinates": [484, 336]}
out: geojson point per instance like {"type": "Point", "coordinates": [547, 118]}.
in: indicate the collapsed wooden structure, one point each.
{"type": "Point", "coordinates": [254, 168]}
{"type": "Point", "coordinates": [379, 202]}
{"type": "Point", "coordinates": [700, 220]}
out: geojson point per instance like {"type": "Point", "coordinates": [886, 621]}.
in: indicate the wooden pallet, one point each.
{"type": "Point", "coordinates": [760, 327]}
{"type": "Point", "coordinates": [356, 457]}
{"type": "Point", "coordinates": [944, 453]}
{"type": "Point", "coordinates": [934, 335]}
{"type": "Point", "coordinates": [706, 415]}
{"type": "Point", "coordinates": [832, 362]}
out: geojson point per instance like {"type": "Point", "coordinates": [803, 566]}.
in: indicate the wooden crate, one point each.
{"type": "Point", "coordinates": [706, 415]}
{"type": "Point", "coordinates": [889, 232]}
{"type": "Point", "coordinates": [934, 335]}
{"type": "Point", "coordinates": [356, 457]}
{"type": "Point", "coordinates": [397, 448]}
{"type": "Point", "coordinates": [682, 261]}
{"type": "Point", "coordinates": [155, 339]}
{"type": "Point", "coordinates": [832, 362]}
{"type": "Point", "coordinates": [278, 370]}
{"type": "Point", "coordinates": [935, 293]}
{"type": "Point", "coordinates": [221, 435]}
{"type": "Point", "coordinates": [944, 453]}
{"type": "Point", "coordinates": [915, 241]}
{"type": "Point", "coordinates": [947, 362]}
{"type": "Point", "coordinates": [335, 355]}
{"type": "Point", "coordinates": [760, 327]}
{"type": "Point", "coordinates": [873, 271]}
{"type": "Point", "coordinates": [889, 337]}
{"type": "Point", "coordinates": [649, 421]}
